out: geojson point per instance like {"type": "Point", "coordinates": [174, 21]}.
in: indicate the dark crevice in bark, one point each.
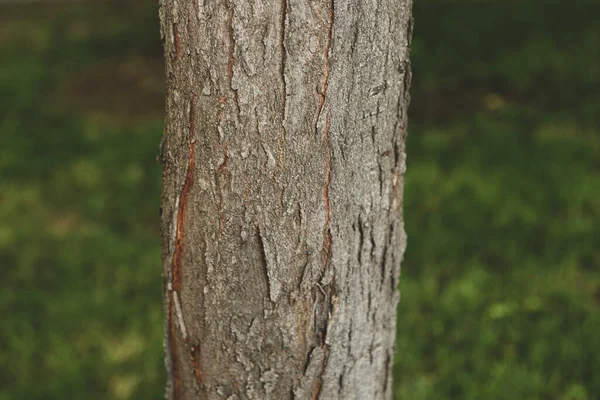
{"type": "Point", "coordinates": [231, 62]}
{"type": "Point", "coordinates": [361, 239]}
{"type": "Point", "coordinates": [263, 261]}
{"type": "Point", "coordinates": [384, 256]}
{"type": "Point", "coordinates": [373, 246]}
{"type": "Point", "coordinates": [323, 311]}
{"type": "Point", "coordinates": [392, 276]}
{"type": "Point", "coordinates": [299, 215]}
{"type": "Point", "coordinates": [388, 372]}
{"type": "Point", "coordinates": [307, 360]}
{"type": "Point", "coordinates": [303, 269]}
{"type": "Point", "coordinates": [340, 384]}
{"type": "Point", "coordinates": [350, 337]}
{"type": "Point", "coordinates": [355, 34]}
{"type": "Point", "coordinates": [380, 176]}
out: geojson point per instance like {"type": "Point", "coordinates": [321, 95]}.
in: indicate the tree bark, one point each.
{"type": "Point", "coordinates": [283, 163]}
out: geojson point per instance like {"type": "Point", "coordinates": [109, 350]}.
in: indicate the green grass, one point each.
{"type": "Point", "coordinates": [501, 280]}
{"type": "Point", "coordinates": [80, 188]}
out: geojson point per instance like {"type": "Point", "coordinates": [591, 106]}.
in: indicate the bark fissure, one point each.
{"type": "Point", "coordinates": [175, 316]}
{"type": "Point", "coordinates": [263, 260]}
{"type": "Point", "coordinates": [318, 382]}
{"type": "Point", "coordinates": [326, 200]}
{"type": "Point", "coordinates": [327, 48]}
{"type": "Point", "coordinates": [388, 373]}
{"type": "Point", "coordinates": [361, 239]}
{"type": "Point", "coordinates": [282, 133]}
{"type": "Point", "coordinates": [183, 197]}
{"type": "Point", "coordinates": [283, 50]}
{"type": "Point", "coordinates": [231, 62]}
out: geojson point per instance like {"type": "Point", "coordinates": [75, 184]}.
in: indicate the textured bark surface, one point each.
{"type": "Point", "coordinates": [283, 165]}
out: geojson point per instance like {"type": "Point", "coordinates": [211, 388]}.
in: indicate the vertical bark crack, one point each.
{"type": "Point", "coordinates": [323, 92]}
{"type": "Point", "coordinates": [283, 50]}
{"type": "Point", "coordinates": [384, 257]}
{"type": "Point", "coordinates": [388, 373]}
{"type": "Point", "coordinates": [282, 132]}
{"type": "Point", "coordinates": [326, 187]}
{"type": "Point", "coordinates": [187, 185]}
{"type": "Point", "coordinates": [361, 239]}
{"type": "Point", "coordinates": [174, 285]}
{"type": "Point", "coordinates": [263, 260]}
{"type": "Point", "coordinates": [231, 62]}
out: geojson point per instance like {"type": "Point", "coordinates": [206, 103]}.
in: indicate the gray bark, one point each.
{"type": "Point", "coordinates": [283, 163]}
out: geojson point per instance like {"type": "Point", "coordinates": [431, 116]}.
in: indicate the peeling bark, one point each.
{"type": "Point", "coordinates": [283, 163]}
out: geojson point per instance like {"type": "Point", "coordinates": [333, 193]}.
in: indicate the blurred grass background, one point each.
{"type": "Point", "coordinates": [501, 281]}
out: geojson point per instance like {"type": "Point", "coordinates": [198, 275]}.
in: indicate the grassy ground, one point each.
{"type": "Point", "coordinates": [501, 282]}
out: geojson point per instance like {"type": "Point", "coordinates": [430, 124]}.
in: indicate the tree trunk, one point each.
{"type": "Point", "coordinates": [283, 164]}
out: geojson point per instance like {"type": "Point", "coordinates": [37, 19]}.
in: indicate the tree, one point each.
{"type": "Point", "coordinates": [283, 163]}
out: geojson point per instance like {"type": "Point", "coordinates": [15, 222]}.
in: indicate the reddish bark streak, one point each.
{"type": "Point", "coordinates": [195, 352]}
{"type": "Point", "coordinates": [176, 268]}
{"type": "Point", "coordinates": [183, 203]}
